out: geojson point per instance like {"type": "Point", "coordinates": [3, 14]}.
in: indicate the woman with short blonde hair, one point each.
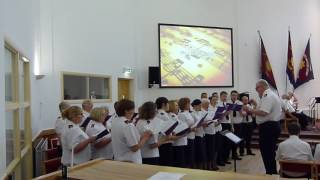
{"type": "Point", "coordinates": [102, 148]}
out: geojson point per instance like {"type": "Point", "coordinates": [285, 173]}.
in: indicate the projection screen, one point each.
{"type": "Point", "coordinates": [195, 56]}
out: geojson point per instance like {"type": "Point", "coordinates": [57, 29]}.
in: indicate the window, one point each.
{"type": "Point", "coordinates": [17, 116]}
{"type": "Point", "coordinates": [77, 87]}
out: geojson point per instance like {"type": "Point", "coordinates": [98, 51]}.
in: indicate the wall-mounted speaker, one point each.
{"type": "Point", "coordinates": [154, 76]}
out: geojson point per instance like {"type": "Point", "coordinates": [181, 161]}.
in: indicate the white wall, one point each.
{"type": "Point", "coordinates": [104, 36]}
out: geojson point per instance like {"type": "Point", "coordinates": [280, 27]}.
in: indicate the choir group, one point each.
{"type": "Point", "coordinates": [179, 133]}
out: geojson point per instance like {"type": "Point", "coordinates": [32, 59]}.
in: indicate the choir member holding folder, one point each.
{"type": "Point", "coordinates": [210, 135]}
{"type": "Point", "coordinates": [87, 106]}
{"type": "Point", "coordinates": [149, 122]}
{"type": "Point", "coordinates": [126, 140]}
{"type": "Point", "coordinates": [237, 114]}
{"type": "Point", "coordinates": [102, 148]}
{"type": "Point", "coordinates": [218, 129]}
{"type": "Point", "coordinates": [180, 131]}
{"type": "Point", "coordinates": [166, 151]}
{"type": "Point", "coordinates": [200, 150]}
{"type": "Point", "coordinates": [226, 125]}
{"type": "Point", "coordinates": [75, 142]}
{"type": "Point", "coordinates": [185, 116]}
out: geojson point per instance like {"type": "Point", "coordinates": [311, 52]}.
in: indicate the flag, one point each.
{"type": "Point", "coordinates": [290, 67]}
{"type": "Point", "coordinates": [305, 69]}
{"type": "Point", "coordinates": [266, 70]}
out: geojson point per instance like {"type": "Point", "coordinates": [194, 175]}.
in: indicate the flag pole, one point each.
{"type": "Point", "coordinates": [287, 63]}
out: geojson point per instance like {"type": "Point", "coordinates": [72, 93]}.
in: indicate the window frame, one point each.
{"type": "Point", "coordinates": [87, 76]}
{"type": "Point", "coordinates": [25, 153]}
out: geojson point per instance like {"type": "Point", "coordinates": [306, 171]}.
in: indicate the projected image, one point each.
{"type": "Point", "coordinates": [195, 56]}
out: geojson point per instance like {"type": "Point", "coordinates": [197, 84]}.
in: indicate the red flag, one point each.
{"type": "Point", "coordinates": [290, 67]}
{"type": "Point", "coordinates": [266, 70]}
{"type": "Point", "coordinates": [305, 70]}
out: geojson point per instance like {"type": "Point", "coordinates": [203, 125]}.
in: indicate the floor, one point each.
{"type": "Point", "coordinates": [250, 165]}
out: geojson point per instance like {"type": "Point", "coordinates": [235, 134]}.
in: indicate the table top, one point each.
{"type": "Point", "coordinates": [115, 170]}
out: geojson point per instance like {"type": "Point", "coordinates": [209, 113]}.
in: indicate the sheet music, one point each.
{"type": "Point", "coordinates": [232, 137]}
{"type": "Point", "coordinates": [199, 121]}
{"type": "Point", "coordinates": [166, 176]}
{"type": "Point", "coordinates": [181, 127]}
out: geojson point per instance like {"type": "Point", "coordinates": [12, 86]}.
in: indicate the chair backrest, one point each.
{"type": "Point", "coordinates": [296, 167]}
{"type": "Point", "coordinates": [51, 165]}
{"type": "Point", "coordinates": [52, 153]}
{"type": "Point", "coordinates": [54, 142]}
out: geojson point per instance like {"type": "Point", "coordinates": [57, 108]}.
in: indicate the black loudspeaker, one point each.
{"type": "Point", "coordinates": [154, 76]}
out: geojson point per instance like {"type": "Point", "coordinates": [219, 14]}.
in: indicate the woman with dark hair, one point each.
{"type": "Point", "coordinates": [147, 121]}
{"type": "Point", "coordinates": [199, 143]}
{"type": "Point", "coordinates": [126, 140]}
{"type": "Point", "coordinates": [185, 116]}
{"type": "Point", "coordinates": [166, 151]}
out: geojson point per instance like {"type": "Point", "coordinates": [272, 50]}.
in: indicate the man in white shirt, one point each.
{"type": "Point", "coordinates": [268, 113]}
{"type": "Point", "coordinates": [294, 149]}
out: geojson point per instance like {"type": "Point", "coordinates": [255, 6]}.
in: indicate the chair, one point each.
{"type": "Point", "coordinates": [296, 169]}
{"type": "Point", "coordinates": [52, 153]}
{"type": "Point", "coordinates": [51, 165]}
{"type": "Point", "coordinates": [54, 142]}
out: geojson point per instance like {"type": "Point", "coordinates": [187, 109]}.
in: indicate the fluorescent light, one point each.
{"type": "Point", "coordinates": [25, 59]}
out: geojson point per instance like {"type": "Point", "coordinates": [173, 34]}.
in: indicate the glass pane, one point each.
{"type": "Point", "coordinates": [21, 81]}
{"type": "Point", "coordinates": [8, 75]}
{"type": "Point", "coordinates": [99, 88]}
{"type": "Point", "coordinates": [21, 124]}
{"type": "Point", "coordinates": [9, 137]}
{"type": "Point", "coordinates": [74, 87]}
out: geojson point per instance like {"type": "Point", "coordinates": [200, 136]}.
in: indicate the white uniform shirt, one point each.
{"type": "Point", "coordinates": [183, 141]}
{"type": "Point", "coordinates": [124, 135]}
{"type": "Point", "coordinates": [146, 150]}
{"type": "Point", "coordinates": [71, 137]}
{"type": "Point", "coordinates": [317, 153]}
{"type": "Point", "coordinates": [197, 115]}
{"type": "Point", "coordinates": [294, 149]}
{"type": "Point", "coordinates": [226, 119]}
{"type": "Point", "coordinates": [60, 125]}
{"type": "Point", "coordinates": [93, 129]}
{"type": "Point", "coordinates": [238, 118]}
{"type": "Point", "coordinates": [186, 117]}
{"type": "Point", "coordinates": [218, 126]}
{"type": "Point", "coordinates": [211, 129]}
{"type": "Point", "coordinates": [271, 104]}
{"type": "Point", "coordinates": [165, 117]}
{"type": "Point", "coordinates": [248, 117]}
{"type": "Point", "coordinates": [85, 116]}
{"type": "Point", "coordinates": [109, 122]}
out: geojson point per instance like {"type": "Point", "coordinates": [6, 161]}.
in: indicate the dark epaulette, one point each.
{"type": "Point", "coordinates": [70, 126]}
{"type": "Point", "coordinates": [162, 113]}
{"type": "Point", "coordinates": [127, 122]}
{"type": "Point", "coordinates": [172, 115]}
{"type": "Point", "coordinates": [265, 95]}
{"type": "Point", "coordinates": [92, 125]}
{"type": "Point", "coordinates": [148, 121]}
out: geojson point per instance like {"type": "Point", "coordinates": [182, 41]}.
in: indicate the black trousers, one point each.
{"type": "Point", "coordinates": [219, 148]}
{"type": "Point", "coordinates": [166, 154]}
{"type": "Point", "coordinates": [210, 140]}
{"type": "Point", "coordinates": [190, 153]}
{"type": "Point", "coordinates": [151, 161]}
{"type": "Point", "coordinates": [269, 133]}
{"type": "Point", "coordinates": [247, 129]}
{"type": "Point", "coordinates": [179, 156]}
{"type": "Point", "coordinates": [226, 143]}
{"type": "Point", "coordinates": [239, 132]}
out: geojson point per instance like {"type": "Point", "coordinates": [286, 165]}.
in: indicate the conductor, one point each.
{"type": "Point", "coordinates": [268, 114]}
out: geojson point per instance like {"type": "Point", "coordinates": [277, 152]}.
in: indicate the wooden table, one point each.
{"type": "Point", "coordinates": [114, 170]}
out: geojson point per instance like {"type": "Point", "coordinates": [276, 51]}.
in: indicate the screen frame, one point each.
{"type": "Point", "coordinates": [184, 25]}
